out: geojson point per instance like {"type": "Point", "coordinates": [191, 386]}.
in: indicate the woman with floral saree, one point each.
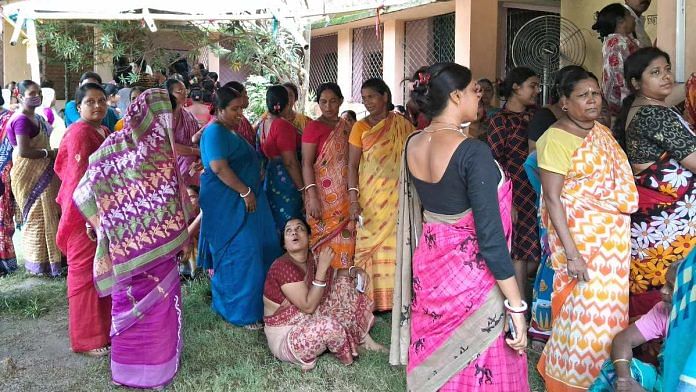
{"type": "Point", "coordinates": [34, 183]}
{"type": "Point", "coordinates": [661, 148]}
{"type": "Point", "coordinates": [374, 155]}
{"type": "Point", "coordinates": [8, 258]}
{"type": "Point", "coordinates": [133, 195]}
{"type": "Point", "coordinates": [325, 170]}
{"type": "Point", "coordinates": [310, 308]}
{"type": "Point", "coordinates": [588, 194]}
{"type": "Point", "coordinates": [89, 317]}
{"type": "Point", "coordinates": [455, 228]}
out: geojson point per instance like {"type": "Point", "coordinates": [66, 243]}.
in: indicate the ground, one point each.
{"type": "Point", "coordinates": [35, 353]}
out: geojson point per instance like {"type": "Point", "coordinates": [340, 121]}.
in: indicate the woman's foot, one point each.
{"type": "Point", "coordinates": [370, 345]}
{"type": "Point", "coordinates": [98, 352]}
{"type": "Point", "coordinates": [254, 326]}
{"type": "Point", "coordinates": [538, 346]}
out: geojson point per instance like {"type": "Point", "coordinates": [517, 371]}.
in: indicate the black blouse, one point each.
{"type": "Point", "coordinates": [657, 129]}
{"type": "Point", "coordinates": [471, 181]}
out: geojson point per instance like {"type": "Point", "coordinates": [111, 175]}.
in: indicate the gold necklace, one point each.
{"type": "Point", "coordinates": [431, 132]}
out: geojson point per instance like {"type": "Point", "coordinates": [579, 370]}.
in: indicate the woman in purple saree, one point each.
{"type": "Point", "coordinates": [455, 288]}
{"type": "Point", "coordinates": [133, 196]}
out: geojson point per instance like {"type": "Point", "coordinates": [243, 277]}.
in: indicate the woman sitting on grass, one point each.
{"type": "Point", "coordinates": [625, 373]}
{"type": "Point", "coordinates": [309, 309]}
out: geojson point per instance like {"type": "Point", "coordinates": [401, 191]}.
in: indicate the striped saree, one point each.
{"type": "Point", "coordinates": [598, 195]}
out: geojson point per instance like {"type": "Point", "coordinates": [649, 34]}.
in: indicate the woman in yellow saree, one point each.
{"type": "Point", "coordinates": [374, 159]}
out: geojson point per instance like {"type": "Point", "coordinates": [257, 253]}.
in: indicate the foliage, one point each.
{"type": "Point", "coordinates": [256, 86]}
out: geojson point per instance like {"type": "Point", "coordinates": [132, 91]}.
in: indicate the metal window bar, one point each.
{"type": "Point", "coordinates": [323, 61]}
{"type": "Point", "coordinates": [516, 18]}
{"type": "Point", "coordinates": [368, 60]}
{"type": "Point", "coordinates": [427, 41]}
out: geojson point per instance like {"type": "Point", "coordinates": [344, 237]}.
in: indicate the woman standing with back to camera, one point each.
{"type": "Point", "coordinates": [465, 295]}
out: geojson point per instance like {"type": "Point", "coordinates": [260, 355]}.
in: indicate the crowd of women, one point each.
{"type": "Point", "coordinates": [307, 226]}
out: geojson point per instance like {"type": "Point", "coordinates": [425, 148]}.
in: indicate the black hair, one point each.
{"type": "Point", "coordinates": [81, 91]}
{"type": "Point", "coordinates": [400, 108]}
{"type": "Point", "coordinates": [331, 86]}
{"type": "Point", "coordinates": [194, 188]}
{"type": "Point", "coordinates": [141, 89]}
{"type": "Point", "coordinates": [213, 75]}
{"type": "Point", "coordinates": [608, 18]}
{"type": "Point", "coordinates": [555, 90]}
{"type": "Point", "coordinates": [299, 218]}
{"type": "Point", "coordinates": [351, 114]}
{"type": "Point", "coordinates": [276, 99]}
{"type": "Point", "coordinates": [235, 85]}
{"type": "Point", "coordinates": [570, 79]}
{"type": "Point", "coordinates": [380, 87]}
{"type": "Point", "coordinates": [2, 100]}
{"type": "Point", "coordinates": [110, 89]}
{"type": "Point", "coordinates": [517, 76]}
{"type": "Point", "coordinates": [225, 95]}
{"type": "Point", "coordinates": [90, 75]}
{"type": "Point", "coordinates": [24, 85]}
{"type": "Point", "coordinates": [634, 66]}
{"type": "Point", "coordinates": [432, 95]}
{"type": "Point", "coordinates": [47, 84]}
{"type": "Point", "coordinates": [294, 89]}
{"type": "Point", "coordinates": [485, 80]}
{"type": "Point", "coordinates": [169, 84]}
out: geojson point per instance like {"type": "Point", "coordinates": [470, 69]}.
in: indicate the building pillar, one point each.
{"type": "Point", "coordinates": [477, 49]}
{"type": "Point", "coordinates": [345, 62]}
{"type": "Point", "coordinates": [393, 65]}
{"type": "Point", "coordinates": [103, 60]}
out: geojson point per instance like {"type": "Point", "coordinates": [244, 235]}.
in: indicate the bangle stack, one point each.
{"type": "Point", "coordinates": [513, 309]}
{"type": "Point", "coordinates": [318, 283]}
{"type": "Point", "coordinates": [244, 195]}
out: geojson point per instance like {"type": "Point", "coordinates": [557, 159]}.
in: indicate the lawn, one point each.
{"type": "Point", "coordinates": [216, 357]}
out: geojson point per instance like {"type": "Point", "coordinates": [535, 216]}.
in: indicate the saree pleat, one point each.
{"type": "Point", "coordinates": [35, 187]}
{"type": "Point", "coordinates": [375, 245]}
{"type": "Point", "coordinates": [598, 195]}
{"type": "Point", "coordinates": [334, 228]}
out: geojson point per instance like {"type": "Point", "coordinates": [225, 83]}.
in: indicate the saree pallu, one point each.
{"type": "Point", "coordinates": [283, 197]}
{"type": "Point", "coordinates": [340, 323]}
{"type": "Point", "coordinates": [645, 374]}
{"type": "Point", "coordinates": [375, 244]}
{"type": "Point", "coordinates": [598, 194]}
{"type": "Point", "coordinates": [8, 258]}
{"type": "Point", "coordinates": [680, 346]}
{"type": "Point", "coordinates": [133, 194]}
{"type": "Point", "coordinates": [184, 129]}
{"type": "Point", "coordinates": [457, 312]}
{"type": "Point", "coordinates": [540, 325]}
{"type": "Point", "coordinates": [663, 230]}
{"type": "Point", "coordinates": [334, 229]}
{"type": "Point", "coordinates": [35, 187]}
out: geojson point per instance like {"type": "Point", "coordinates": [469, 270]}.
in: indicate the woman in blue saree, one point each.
{"type": "Point", "coordinates": [237, 223]}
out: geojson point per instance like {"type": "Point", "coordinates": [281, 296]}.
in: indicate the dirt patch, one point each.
{"type": "Point", "coordinates": [35, 356]}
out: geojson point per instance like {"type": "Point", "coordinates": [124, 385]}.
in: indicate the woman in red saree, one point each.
{"type": "Point", "coordinates": [89, 317]}
{"type": "Point", "coordinates": [309, 308]}
{"type": "Point", "coordinates": [133, 195]}
{"type": "Point", "coordinates": [325, 171]}
{"type": "Point", "coordinates": [462, 295]}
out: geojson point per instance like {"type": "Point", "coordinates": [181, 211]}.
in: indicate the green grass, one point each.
{"type": "Point", "coordinates": [220, 357]}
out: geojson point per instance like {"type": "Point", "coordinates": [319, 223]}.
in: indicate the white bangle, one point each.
{"type": "Point", "coordinates": [246, 194]}
{"type": "Point", "coordinates": [306, 188]}
{"type": "Point", "coordinates": [318, 284]}
{"type": "Point", "coordinates": [351, 269]}
{"type": "Point", "coordinates": [512, 309]}
{"type": "Point", "coordinates": [354, 189]}
{"type": "Point", "coordinates": [45, 151]}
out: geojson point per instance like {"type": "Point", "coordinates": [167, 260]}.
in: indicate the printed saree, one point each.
{"type": "Point", "coordinates": [89, 317]}
{"type": "Point", "coordinates": [375, 245]}
{"type": "Point", "coordinates": [456, 313]}
{"type": "Point", "coordinates": [680, 346]}
{"type": "Point", "coordinates": [35, 187]}
{"type": "Point", "coordinates": [340, 323]}
{"type": "Point", "coordinates": [134, 196]}
{"type": "Point", "coordinates": [647, 376]}
{"type": "Point", "coordinates": [334, 228]}
{"type": "Point", "coordinates": [540, 325]}
{"type": "Point", "coordinates": [184, 129]}
{"type": "Point", "coordinates": [598, 195]}
{"type": "Point", "coordinates": [8, 258]}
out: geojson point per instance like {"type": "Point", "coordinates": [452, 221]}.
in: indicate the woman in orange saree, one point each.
{"type": "Point", "coordinates": [325, 171]}
{"type": "Point", "coordinates": [374, 157]}
{"type": "Point", "coordinates": [589, 195]}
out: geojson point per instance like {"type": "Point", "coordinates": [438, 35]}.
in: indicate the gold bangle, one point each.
{"type": "Point", "coordinates": [614, 362]}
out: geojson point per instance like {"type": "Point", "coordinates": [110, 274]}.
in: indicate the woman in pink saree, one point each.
{"type": "Point", "coordinates": [133, 196]}
{"type": "Point", "coordinates": [464, 294]}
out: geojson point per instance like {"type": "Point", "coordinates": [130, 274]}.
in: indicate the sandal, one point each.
{"type": "Point", "coordinates": [98, 352]}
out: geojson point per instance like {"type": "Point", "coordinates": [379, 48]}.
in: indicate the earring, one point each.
{"type": "Point", "coordinates": [565, 109]}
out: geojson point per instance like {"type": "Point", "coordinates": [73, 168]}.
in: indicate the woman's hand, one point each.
{"type": "Point", "coordinates": [577, 268]}
{"type": "Point", "coordinates": [326, 255]}
{"type": "Point", "coordinates": [514, 214]}
{"type": "Point", "coordinates": [518, 344]}
{"type": "Point", "coordinates": [196, 167]}
{"type": "Point", "coordinates": [250, 202]}
{"type": "Point", "coordinates": [313, 206]}
{"type": "Point", "coordinates": [628, 384]}
{"type": "Point", "coordinates": [365, 277]}
{"type": "Point", "coordinates": [91, 234]}
{"type": "Point", "coordinates": [354, 210]}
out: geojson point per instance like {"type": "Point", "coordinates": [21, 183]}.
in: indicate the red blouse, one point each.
{"type": "Point", "coordinates": [282, 272]}
{"type": "Point", "coordinates": [281, 136]}
{"type": "Point", "coordinates": [316, 132]}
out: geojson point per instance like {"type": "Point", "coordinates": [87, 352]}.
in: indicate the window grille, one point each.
{"type": "Point", "coordinates": [323, 61]}
{"type": "Point", "coordinates": [368, 61]}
